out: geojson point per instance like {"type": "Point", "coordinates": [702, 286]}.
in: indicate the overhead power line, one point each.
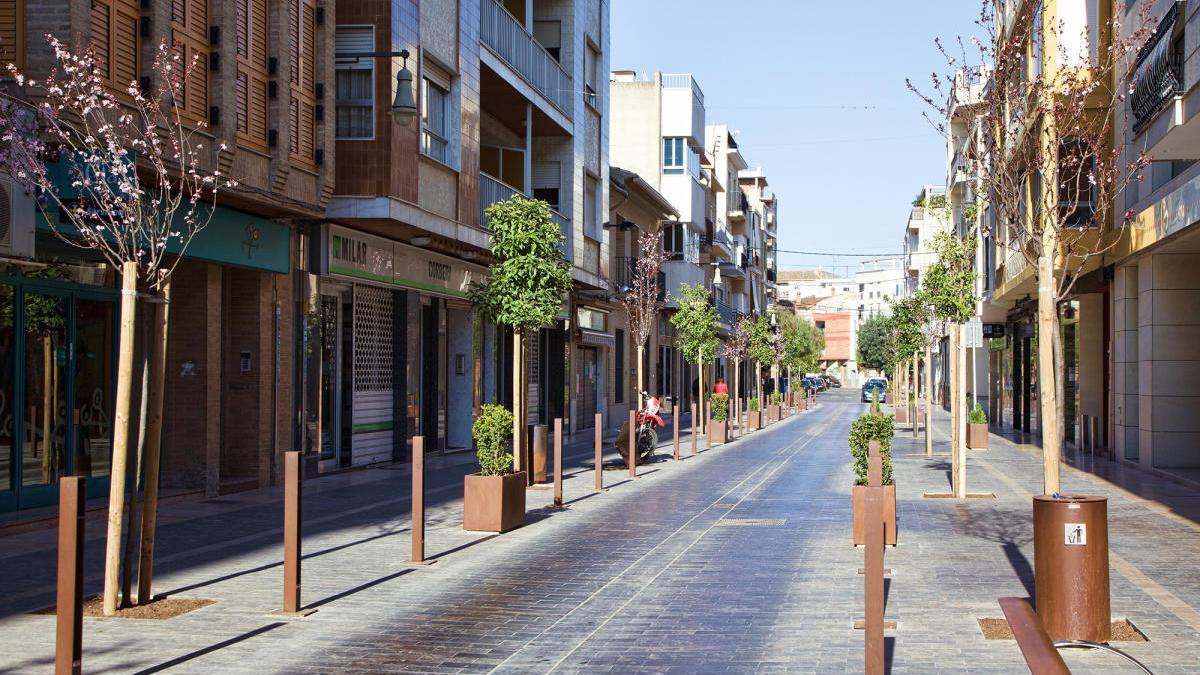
{"type": "Point", "coordinates": [839, 255]}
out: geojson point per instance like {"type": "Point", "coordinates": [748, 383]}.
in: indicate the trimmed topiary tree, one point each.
{"type": "Point", "coordinates": [493, 432]}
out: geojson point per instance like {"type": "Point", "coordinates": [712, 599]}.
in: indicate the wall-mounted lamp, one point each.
{"type": "Point", "coordinates": [404, 105]}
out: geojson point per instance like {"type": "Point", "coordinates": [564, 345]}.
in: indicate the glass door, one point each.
{"type": "Point", "coordinates": [331, 381]}
{"type": "Point", "coordinates": [8, 417]}
{"type": "Point", "coordinates": [44, 429]}
{"type": "Point", "coordinates": [93, 387]}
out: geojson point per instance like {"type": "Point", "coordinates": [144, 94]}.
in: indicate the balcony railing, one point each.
{"type": "Point", "coordinates": [505, 36]}
{"type": "Point", "coordinates": [726, 313]}
{"type": "Point", "coordinates": [623, 274]}
{"type": "Point", "coordinates": [738, 205]}
{"type": "Point", "coordinates": [682, 81]}
{"type": "Point", "coordinates": [564, 226]}
{"type": "Point", "coordinates": [492, 190]}
{"type": "Point", "coordinates": [1014, 264]}
{"type": "Point", "coordinates": [1159, 80]}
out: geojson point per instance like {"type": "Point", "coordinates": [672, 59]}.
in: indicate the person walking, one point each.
{"type": "Point", "coordinates": [720, 387]}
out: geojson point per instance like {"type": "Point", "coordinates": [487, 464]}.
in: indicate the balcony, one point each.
{"type": "Point", "coordinates": [492, 190]}
{"type": "Point", "coordinates": [722, 242]}
{"type": "Point", "coordinates": [1158, 81]}
{"type": "Point", "coordinates": [738, 206]}
{"type": "Point", "coordinates": [726, 313]}
{"type": "Point", "coordinates": [508, 39]}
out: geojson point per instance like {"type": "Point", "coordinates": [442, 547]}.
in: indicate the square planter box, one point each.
{"type": "Point", "coordinates": [718, 432]}
{"type": "Point", "coordinates": [753, 420]}
{"type": "Point", "coordinates": [772, 414]}
{"type": "Point", "coordinates": [494, 503]}
{"type": "Point", "coordinates": [858, 502]}
{"type": "Point", "coordinates": [804, 404]}
{"type": "Point", "coordinates": [977, 436]}
{"type": "Point", "coordinates": [901, 414]}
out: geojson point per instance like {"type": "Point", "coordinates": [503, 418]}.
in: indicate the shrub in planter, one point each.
{"type": "Point", "coordinates": [753, 416]}
{"type": "Point", "coordinates": [718, 426]}
{"type": "Point", "coordinates": [494, 498]}
{"type": "Point", "coordinates": [977, 428]}
{"type": "Point", "coordinates": [863, 430]}
{"type": "Point", "coordinates": [773, 407]}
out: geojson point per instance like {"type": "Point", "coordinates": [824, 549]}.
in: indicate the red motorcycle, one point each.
{"type": "Point", "coordinates": [646, 436]}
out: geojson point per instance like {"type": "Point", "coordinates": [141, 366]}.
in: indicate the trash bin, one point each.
{"type": "Point", "coordinates": [1070, 551]}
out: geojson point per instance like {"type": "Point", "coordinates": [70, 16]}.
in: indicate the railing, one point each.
{"type": "Point", "coordinates": [492, 190]}
{"type": "Point", "coordinates": [721, 237]}
{"type": "Point", "coordinates": [682, 81]}
{"type": "Point", "coordinates": [918, 213]}
{"type": "Point", "coordinates": [726, 313]}
{"type": "Point", "coordinates": [591, 256]}
{"type": "Point", "coordinates": [738, 204]}
{"type": "Point", "coordinates": [1014, 264]}
{"type": "Point", "coordinates": [770, 275]}
{"type": "Point", "coordinates": [623, 274]}
{"type": "Point", "coordinates": [505, 36]}
{"type": "Point", "coordinates": [564, 226]}
{"type": "Point", "coordinates": [1159, 80]}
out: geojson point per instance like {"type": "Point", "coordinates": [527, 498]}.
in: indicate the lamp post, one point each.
{"type": "Point", "coordinates": [404, 106]}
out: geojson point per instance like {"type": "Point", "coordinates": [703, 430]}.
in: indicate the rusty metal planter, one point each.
{"type": "Point", "coordinates": [977, 436]}
{"type": "Point", "coordinates": [858, 504]}
{"type": "Point", "coordinates": [494, 503]}
{"type": "Point", "coordinates": [718, 432]}
{"type": "Point", "coordinates": [753, 420]}
{"type": "Point", "coordinates": [772, 414]}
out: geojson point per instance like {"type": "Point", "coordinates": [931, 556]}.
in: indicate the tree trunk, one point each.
{"type": "Point", "coordinates": [132, 525]}
{"type": "Point", "coordinates": [158, 373]}
{"type": "Point", "coordinates": [1047, 389]}
{"type": "Point", "coordinates": [700, 391]}
{"type": "Point", "coordinates": [518, 388]}
{"type": "Point", "coordinates": [928, 401]}
{"type": "Point", "coordinates": [954, 409]}
{"type": "Point", "coordinates": [120, 454]}
{"type": "Point", "coordinates": [961, 356]}
{"type": "Point", "coordinates": [914, 406]}
{"type": "Point", "coordinates": [641, 354]}
{"type": "Point", "coordinates": [1059, 379]}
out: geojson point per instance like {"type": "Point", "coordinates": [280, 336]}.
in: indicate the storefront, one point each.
{"type": "Point", "coordinates": [401, 351]}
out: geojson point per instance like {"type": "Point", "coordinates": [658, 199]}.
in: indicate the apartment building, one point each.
{"type": "Point", "coordinates": [232, 381]}
{"type": "Point", "coordinates": [879, 281]}
{"type": "Point", "coordinates": [762, 234]}
{"type": "Point", "coordinates": [510, 101]}
{"type": "Point", "coordinates": [795, 285]}
{"type": "Point", "coordinates": [1137, 325]}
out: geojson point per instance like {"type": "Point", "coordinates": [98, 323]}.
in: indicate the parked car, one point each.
{"type": "Point", "coordinates": [875, 384]}
{"type": "Point", "coordinates": [831, 381]}
{"type": "Point", "coordinates": [809, 384]}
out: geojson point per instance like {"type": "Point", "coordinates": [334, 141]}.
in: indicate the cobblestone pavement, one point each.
{"type": "Point", "coordinates": [662, 574]}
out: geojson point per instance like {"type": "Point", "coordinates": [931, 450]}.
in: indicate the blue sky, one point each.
{"type": "Point", "coordinates": [817, 92]}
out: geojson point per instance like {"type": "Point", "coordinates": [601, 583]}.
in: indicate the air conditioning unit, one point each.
{"type": "Point", "coordinates": [16, 219]}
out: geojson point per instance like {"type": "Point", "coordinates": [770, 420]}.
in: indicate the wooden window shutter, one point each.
{"type": "Point", "coordinates": [252, 73]}
{"type": "Point", "coordinates": [115, 41]}
{"type": "Point", "coordinates": [12, 33]}
{"type": "Point", "coordinates": [302, 113]}
{"type": "Point", "coordinates": [189, 35]}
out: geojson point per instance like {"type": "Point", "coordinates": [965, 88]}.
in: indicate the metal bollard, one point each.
{"type": "Point", "coordinates": [675, 423]}
{"type": "Point", "coordinates": [291, 532]}
{"type": "Point", "coordinates": [558, 468]}
{"type": "Point", "coordinates": [873, 585]}
{"type": "Point", "coordinates": [693, 429]}
{"type": "Point", "coordinates": [68, 641]}
{"type": "Point", "coordinates": [599, 454]}
{"type": "Point", "coordinates": [632, 444]}
{"type": "Point", "coordinates": [418, 500]}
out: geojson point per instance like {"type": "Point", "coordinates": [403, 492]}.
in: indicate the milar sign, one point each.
{"type": "Point", "coordinates": [364, 256]}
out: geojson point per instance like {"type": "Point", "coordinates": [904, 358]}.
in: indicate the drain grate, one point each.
{"type": "Point", "coordinates": [750, 522]}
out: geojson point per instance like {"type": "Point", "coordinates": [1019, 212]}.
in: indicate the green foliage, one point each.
{"type": "Point", "coordinates": [875, 402]}
{"type": "Point", "coordinates": [904, 324]}
{"type": "Point", "coordinates": [720, 407]}
{"type": "Point", "coordinates": [761, 345]}
{"type": "Point", "coordinates": [525, 287]}
{"type": "Point", "coordinates": [864, 430]}
{"type": "Point", "coordinates": [873, 343]}
{"type": "Point", "coordinates": [950, 282]}
{"type": "Point", "coordinates": [977, 415]}
{"type": "Point", "coordinates": [774, 398]}
{"type": "Point", "coordinates": [493, 431]}
{"type": "Point", "coordinates": [696, 323]}
{"type": "Point", "coordinates": [752, 404]}
{"type": "Point", "coordinates": [803, 342]}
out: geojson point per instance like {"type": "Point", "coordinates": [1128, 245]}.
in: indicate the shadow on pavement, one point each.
{"type": "Point", "coordinates": [211, 648]}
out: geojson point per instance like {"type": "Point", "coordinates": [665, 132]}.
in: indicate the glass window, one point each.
{"type": "Point", "coordinates": [435, 118]}
{"type": "Point", "coordinates": [355, 80]}
{"type": "Point", "coordinates": [7, 378]}
{"type": "Point", "coordinates": [591, 76]}
{"type": "Point", "coordinates": [673, 159]}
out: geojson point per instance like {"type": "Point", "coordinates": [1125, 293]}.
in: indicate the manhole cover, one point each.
{"type": "Point", "coordinates": [750, 522]}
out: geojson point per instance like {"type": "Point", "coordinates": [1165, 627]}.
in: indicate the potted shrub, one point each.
{"type": "Point", "coordinates": [977, 428]}
{"type": "Point", "coordinates": [753, 416]}
{"type": "Point", "coordinates": [718, 425]}
{"type": "Point", "coordinates": [773, 407]}
{"type": "Point", "coordinates": [494, 498]}
{"type": "Point", "coordinates": [862, 431]}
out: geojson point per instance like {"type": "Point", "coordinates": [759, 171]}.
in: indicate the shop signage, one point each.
{"type": "Point", "coordinates": [993, 330]}
{"type": "Point", "coordinates": [364, 256]}
{"type": "Point", "coordinates": [1075, 534]}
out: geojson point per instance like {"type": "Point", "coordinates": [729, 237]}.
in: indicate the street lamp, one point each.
{"type": "Point", "coordinates": [404, 106]}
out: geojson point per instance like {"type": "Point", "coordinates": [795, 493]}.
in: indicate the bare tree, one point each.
{"type": "Point", "coordinates": [644, 300]}
{"type": "Point", "coordinates": [127, 175]}
{"type": "Point", "coordinates": [1045, 160]}
{"type": "Point", "coordinates": [737, 345]}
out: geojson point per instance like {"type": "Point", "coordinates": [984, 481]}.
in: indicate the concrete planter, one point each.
{"type": "Point", "coordinates": [718, 432]}
{"type": "Point", "coordinates": [858, 506]}
{"type": "Point", "coordinates": [494, 503]}
{"type": "Point", "coordinates": [977, 436]}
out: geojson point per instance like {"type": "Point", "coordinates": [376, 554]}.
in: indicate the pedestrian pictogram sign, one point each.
{"type": "Point", "coordinates": [1076, 534]}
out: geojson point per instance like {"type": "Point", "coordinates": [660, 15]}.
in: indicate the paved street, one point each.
{"type": "Point", "coordinates": [656, 575]}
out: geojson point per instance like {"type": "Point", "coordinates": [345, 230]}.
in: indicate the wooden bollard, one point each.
{"type": "Point", "coordinates": [558, 468]}
{"type": "Point", "coordinates": [68, 641]}
{"type": "Point", "coordinates": [632, 444]}
{"type": "Point", "coordinates": [694, 420]}
{"type": "Point", "coordinates": [418, 500]}
{"type": "Point", "coordinates": [675, 423]}
{"type": "Point", "coordinates": [291, 532]}
{"type": "Point", "coordinates": [599, 453]}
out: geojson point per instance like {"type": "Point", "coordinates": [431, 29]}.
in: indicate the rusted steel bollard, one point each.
{"type": "Point", "coordinates": [418, 500]}
{"type": "Point", "coordinates": [599, 453]}
{"type": "Point", "coordinates": [873, 586]}
{"type": "Point", "coordinates": [68, 642]}
{"type": "Point", "coordinates": [291, 532]}
{"type": "Point", "coordinates": [558, 468]}
{"type": "Point", "coordinates": [632, 444]}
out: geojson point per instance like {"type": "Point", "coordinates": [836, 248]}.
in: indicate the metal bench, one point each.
{"type": "Point", "coordinates": [1040, 652]}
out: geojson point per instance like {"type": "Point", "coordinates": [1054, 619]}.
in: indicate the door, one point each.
{"type": "Point", "coordinates": [588, 386]}
{"type": "Point", "coordinates": [45, 422]}
{"type": "Point", "coordinates": [330, 419]}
